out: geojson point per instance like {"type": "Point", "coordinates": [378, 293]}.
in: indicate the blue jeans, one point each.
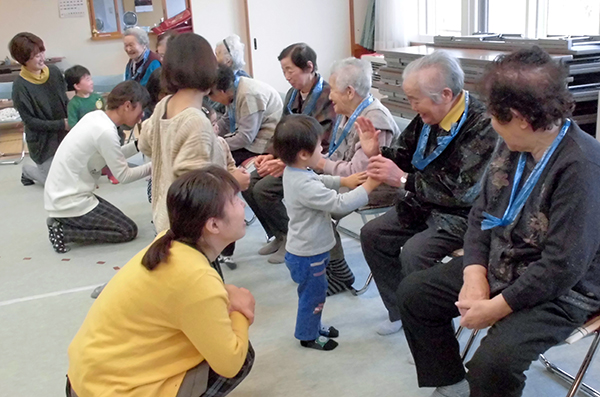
{"type": "Point", "coordinates": [309, 273]}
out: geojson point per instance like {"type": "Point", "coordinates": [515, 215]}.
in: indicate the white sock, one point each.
{"type": "Point", "coordinates": [389, 327]}
{"type": "Point", "coordinates": [460, 389]}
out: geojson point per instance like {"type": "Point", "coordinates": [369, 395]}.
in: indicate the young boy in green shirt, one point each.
{"type": "Point", "coordinates": [79, 79]}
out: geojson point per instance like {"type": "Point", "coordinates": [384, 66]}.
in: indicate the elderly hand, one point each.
{"type": "Point", "coordinates": [272, 167]}
{"type": "Point", "coordinates": [242, 176]}
{"type": "Point", "coordinates": [241, 300]}
{"type": "Point", "coordinates": [475, 285]}
{"type": "Point", "coordinates": [385, 171]}
{"type": "Point", "coordinates": [259, 161]}
{"type": "Point", "coordinates": [481, 314]}
{"type": "Point", "coordinates": [369, 137]}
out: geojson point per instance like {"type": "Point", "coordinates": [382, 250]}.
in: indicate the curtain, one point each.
{"type": "Point", "coordinates": [367, 39]}
{"type": "Point", "coordinates": [391, 23]}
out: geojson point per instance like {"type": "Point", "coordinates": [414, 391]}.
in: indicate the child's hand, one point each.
{"type": "Point", "coordinates": [242, 176]}
{"type": "Point", "coordinates": [371, 184]}
{"type": "Point", "coordinates": [355, 180]}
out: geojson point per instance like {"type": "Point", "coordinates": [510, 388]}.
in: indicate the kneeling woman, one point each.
{"type": "Point", "coordinates": [166, 325]}
{"type": "Point", "coordinates": [77, 215]}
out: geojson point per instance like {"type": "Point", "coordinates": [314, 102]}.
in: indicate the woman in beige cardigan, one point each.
{"type": "Point", "coordinates": [178, 136]}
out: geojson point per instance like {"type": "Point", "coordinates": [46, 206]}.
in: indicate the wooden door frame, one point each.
{"type": "Point", "coordinates": [247, 16]}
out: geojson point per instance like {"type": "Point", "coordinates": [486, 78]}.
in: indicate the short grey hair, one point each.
{"type": "Point", "coordinates": [451, 74]}
{"type": "Point", "coordinates": [234, 51]}
{"type": "Point", "coordinates": [355, 73]}
{"type": "Point", "coordinates": [140, 35]}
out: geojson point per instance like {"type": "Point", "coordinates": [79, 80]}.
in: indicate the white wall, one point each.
{"type": "Point", "coordinates": [275, 24]}
{"type": "Point", "coordinates": [216, 19]}
{"type": "Point", "coordinates": [70, 37]}
{"type": "Point", "coordinates": [65, 37]}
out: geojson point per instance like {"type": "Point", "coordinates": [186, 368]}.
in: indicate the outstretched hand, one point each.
{"type": "Point", "coordinates": [369, 136]}
{"type": "Point", "coordinates": [355, 180]}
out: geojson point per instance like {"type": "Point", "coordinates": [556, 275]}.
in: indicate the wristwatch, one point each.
{"type": "Point", "coordinates": [403, 180]}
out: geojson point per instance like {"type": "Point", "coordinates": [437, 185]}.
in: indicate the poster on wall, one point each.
{"type": "Point", "coordinates": [143, 6]}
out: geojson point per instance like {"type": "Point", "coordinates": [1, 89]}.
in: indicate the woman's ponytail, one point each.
{"type": "Point", "coordinates": [158, 251]}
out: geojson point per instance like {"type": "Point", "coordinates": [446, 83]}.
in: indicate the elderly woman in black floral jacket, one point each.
{"type": "Point", "coordinates": [531, 268]}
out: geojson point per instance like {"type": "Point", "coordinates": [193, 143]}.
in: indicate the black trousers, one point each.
{"type": "Point", "coordinates": [241, 155]}
{"type": "Point", "coordinates": [264, 197]}
{"type": "Point", "coordinates": [427, 305]}
{"type": "Point", "coordinates": [393, 250]}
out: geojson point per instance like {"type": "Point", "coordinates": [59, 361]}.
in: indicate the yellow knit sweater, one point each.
{"type": "Point", "coordinates": [147, 328]}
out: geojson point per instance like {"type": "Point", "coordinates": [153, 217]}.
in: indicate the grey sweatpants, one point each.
{"type": "Point", "coordinates": [37, 172]}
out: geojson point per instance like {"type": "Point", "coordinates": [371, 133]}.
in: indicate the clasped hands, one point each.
{"type": "Point", "coordinates": [267, 164]}
{"type": "Point", "coordinates": [476, 309]}
{"type": "Point", "coordinates": [241, 300]}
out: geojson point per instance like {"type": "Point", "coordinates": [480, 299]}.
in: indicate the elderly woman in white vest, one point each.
{"type": "Point", "coordinates": [230, 51]}
{"type": "Point", "coordinates": [253, 110]}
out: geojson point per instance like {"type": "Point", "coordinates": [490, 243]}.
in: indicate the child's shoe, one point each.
{"type": "Point", "coordinates": [321, 343]}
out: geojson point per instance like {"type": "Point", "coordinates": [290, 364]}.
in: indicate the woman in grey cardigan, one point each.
{"type": "Point", "coordinates": [39, 95]}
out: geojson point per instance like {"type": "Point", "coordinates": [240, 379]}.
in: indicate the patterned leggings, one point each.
{"type": "Point", "coordinates": [104, 224]}
{"type": "Point", "coordinates": [339, 276]}
{"type": "Point", "coordinates": [217, 385]}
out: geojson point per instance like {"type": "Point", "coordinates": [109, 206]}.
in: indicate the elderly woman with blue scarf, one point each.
{"type": "Point", "coordinates": [531, 268]}
{"type": "Point", "coordinates": [142, 61]}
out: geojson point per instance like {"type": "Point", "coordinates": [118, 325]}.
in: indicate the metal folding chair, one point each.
{"type": "Point", "coordinates": [591, 328]}
{"type": "Point", "coordinates": [22, 156]}
{"type": "Point", "coordinates": [363, 212]}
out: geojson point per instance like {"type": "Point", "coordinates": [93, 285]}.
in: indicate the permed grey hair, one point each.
{"type": "Point", "coordinates": [140, 35]}
{"type": "Point", "coordinates": [235, 51]}
{"type": "Point", "coordinates": [355, 73]}
{"type": "Point", "coordinates": [451, 74]}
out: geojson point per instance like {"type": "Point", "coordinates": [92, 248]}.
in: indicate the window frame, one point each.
{"type": "Point", "coordinates": [474, 18]}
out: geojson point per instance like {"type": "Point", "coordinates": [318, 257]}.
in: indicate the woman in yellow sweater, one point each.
{"type": "Point", "coordinates": [166, 325]}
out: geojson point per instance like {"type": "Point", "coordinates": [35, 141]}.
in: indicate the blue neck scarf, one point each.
{"type": "Point", "coordinates": [334, 145]}
{"type": "Point", "coordinates": [134, 71]}
{"type": "Point", "coordinates": [311, 101]}
{"type": "Point", "coordinates": [418, 160]}
{"type": "Point", "coordinates": [519, 197]}
{"type": "Point", "coordinates": [231, 107]}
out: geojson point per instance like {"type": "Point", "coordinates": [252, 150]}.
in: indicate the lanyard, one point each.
{"type": "Point", "coordinates": [311, 101]}
{"type": "Point", "coordinates": [135, 72]}
{"type": "Point", "coordinates": [418, 161]}
{"type": "Point", "coordinates": [518, 198]}
{"type": "Point", "coordinates": [333, 145]}
{"type": "Point", "coordinates": [231, 110]}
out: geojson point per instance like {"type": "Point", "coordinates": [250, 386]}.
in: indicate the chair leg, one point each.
{"type": "Point", "coordinates": [469, 344]}
{"type": "Point", "coordinates": [364, 288]}
{"type": "Point", "coordinates": [577, 381]}
{"type": "Point", "coordinates": [459, 331]}
{"type": "Point", "coordinates": [14, 162]}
